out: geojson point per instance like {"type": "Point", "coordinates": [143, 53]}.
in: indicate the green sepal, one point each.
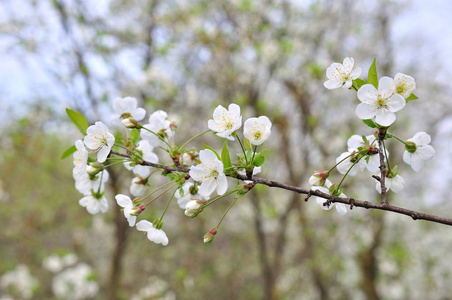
{"type": "Point", "coordinates": [135, 135]}
{"type": "Point", "coordinates": [259, 160]}
{"type": "Point", "coordinates": [181, 192]}
{"type": "Point", "coordinates": [358, 82]}
{"type": "Point", "coordinates": [68, 152]}
{"type": "Point", "coordinates": [372, 76]}
{"type": "Point", "coordinates": [78, 120]}
{"type": "Point", "coordinates": [411, 97]}
{"type": "Point", "coordinates": [210, 148]}
{"type": "Point", "coordinates": [225, 155]}
{"type": "Point", "coordinates": [370, 123]}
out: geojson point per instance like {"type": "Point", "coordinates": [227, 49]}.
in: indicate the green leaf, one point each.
{"type": "Point", "coordinates": [359, 82]}
{"type": "Point", "coordinates": [225, 155]}
{"type": "Point", "coordinates": [135, 134]}
{"type": "Point", "coordinates": [259, 161]}
{"type": "Point", "coordinates": [78, 119]}
{"type": "Point", "coordinates": [370, 123]}
{"type": "Point", "coordinates": [372, 76]}
{"type": "Point", "coordinates": [411, 97]}
{"type": "Point", "coordinates": [207, 147]}
{"type": "Point", "coordinates": [68, 152]}
{"type": "Point", "coordinates": [247, 143]}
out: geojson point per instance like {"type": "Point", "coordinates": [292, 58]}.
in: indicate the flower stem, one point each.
{"type": "Point", "coordinates": [219, 197]}
{"type": "Point", "coordinates": [167, 205]}
{"type": "Point", "coordinates": [226, 212]}
{"type": "Point", "coordinates": [241, 145]}
{"type": "Point", "coordinates": [254, 153]}
{"type": "Point", "coordinates": [400, 140]}
{"type": "Point", "coordinates": [348, 171]}
{"type": "Point", "coordinates": [161, 138]}
{"type": "Point", "coordinates": [157, 189]}
{"type": "Point", "coordinates": [345, 158]}
{"type": "Point", "coordinates": [198, 135]}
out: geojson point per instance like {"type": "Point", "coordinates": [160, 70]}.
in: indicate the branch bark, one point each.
{"type": "Point", "coordinates": [331, 199]}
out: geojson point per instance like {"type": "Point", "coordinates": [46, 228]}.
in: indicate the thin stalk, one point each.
{"type": "Point", "coordinates": [226, 212]}
{"type": "Point", "coordinates": [150, 201]}
{"type": "Point", "coordinates": [345, 158]}
{"type": "Point", "coordinates": [198, 135]}
{"type": "Point", "coordinates": [252, 159]}
{"type": "Point", "coordinates": [241, 145]}
{"type": "Point", "coordinates": [161, 138]}
{"type": "Point", "coordinates": [400, 140]}
{"type": "Point", "coordinates": [219, 197]}
{"type": "Point", "coordinates": [157, 189]}
{"type": "Point", "coordinates": [348, 171]}
{"type": "Point", "coordinates": [167, 205]}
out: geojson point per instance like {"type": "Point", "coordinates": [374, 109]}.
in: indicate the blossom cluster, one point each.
{"type": "Point", "coordinates": [380, 100]}
{"type": "Point", "coordinates": [193, 191]}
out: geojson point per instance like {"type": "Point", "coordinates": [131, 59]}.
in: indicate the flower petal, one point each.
{"type": "Point", "coordinates": [123, 200]}
{"type": "Point", "coordinates": [222, 184]}
{"type": "Point", "coordinates": [385, 117]}
{"type": "Point", "coordinates": [332, 84]}
{"type": "Point", "coordinates": [368, 94]}
{"type": "Point", "coordinates": [425, 152]}
{"type": "Point", "coordinates": [395, 103]}
{"type": "Point", "coordinates": [144, 225]}
{"type": "Point", "coordinates": [421, 138]}
{"type": "Point", "coordinates": [356, 73]}
{"type": "Point", "coordinates": [341, 208]}
{"type": "Point", "coordinates": [365, 111]}
{"type": "Point", "coordinates": [386, 87]}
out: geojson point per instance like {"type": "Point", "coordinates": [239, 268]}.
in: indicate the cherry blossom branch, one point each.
{"type": "Point", "coordinates": [381, 136]}
{"type": "Point", "coordinates": [330, 199]}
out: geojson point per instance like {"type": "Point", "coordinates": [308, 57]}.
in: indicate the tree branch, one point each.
{"type": "Point", "coordinates": [332, 199]}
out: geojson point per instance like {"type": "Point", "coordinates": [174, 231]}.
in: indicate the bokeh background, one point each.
{"type": "Point", "coordinates": [187, 57]}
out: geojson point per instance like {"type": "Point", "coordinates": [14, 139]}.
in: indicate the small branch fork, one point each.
{"type": "Point", "coordinates": [333, 199]}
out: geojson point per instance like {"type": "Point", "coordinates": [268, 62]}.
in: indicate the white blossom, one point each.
{"type": "Point", "coordinates": [125, 108]}
{"type": "Point", "coordinates": [85, 183]}
{"type": "Point", "coordinates": [94, 204]}
{"type": "Point", "coordinates": [348, 161]}
{"type": "Point", "coordinates": [155, 235]}
{"type": "Point", "coordinates": [80, 158]}
{"type": "Point", "coordinates": [395, 184]}
{"type": "Point", "coordinates": [404, 85]}
{"type": "Point", "coordinates": [341, 208]}
{"type": "Point", "coordinates": [356, 141]}
{"type": "Point", "coordinates": [138, 186]}
{"type": "Point", "coordinates": [257, 130]}
{"type": "Point", "coordinates": [100, 140]}
{"type": "Point", "coordinates": [187, 197]}
{"type": "Point", "coordinates": [158, 124]}
{"type": "Point", "coordinates": [419, 151]}
{"type": "Point", "coordinates": [210, 173]}
{"type": "Point", "coordinates": [148, 155]}
{"type": "Point", "coordinates": [381, 104]}
{"type": "Point", "coordinates": [341, 75]}
{"type": "Point", "coordinates": [125, 202]}
{"type": "Point", "coordinates": [22, 280]}
{"type": "Point", "coordinates": [75, 283]}
{"type": "Point", "coordinates": [226, 121]}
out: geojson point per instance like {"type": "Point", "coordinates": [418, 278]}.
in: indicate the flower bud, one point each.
{"type": "Point", "coordinates": [319, 178]}
{"type": "Point", "coordinates": [94, 169]}
{"type": "Point", "coordinates": [243, 189]}
{"type": "Point", "coordinates": [137, 210]}
{"type": "Point", "coordinates": [208, 238]}
{"type": "Point", "coordinates": [193, 208]}
{"type": "Point", "coordinates": [131, 123]}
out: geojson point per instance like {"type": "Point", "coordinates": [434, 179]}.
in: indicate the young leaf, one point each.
{"type": "Point", "coordinates": [370, 123]}
{"type": "Point", "coordinates": [68, 152]}
{"type": "Point", "coordinates": [135, 134]}
{"type": "Point", "coordinates": [225, 155]}
{"type": "Point", "coordinates": [78, 119]}
{"type": "Point", "coordinates": [259, 161]}
{"type": "Point", "coordinates": [247, 143]}
{"type": "Point", "coordinates": [359, 82]}
{"type": "Point", "coordinates": [372, 76]}
{"type": "Point", "coordinates": [411, 97]}
{"type": "Point", "coordinates": [207, 147]}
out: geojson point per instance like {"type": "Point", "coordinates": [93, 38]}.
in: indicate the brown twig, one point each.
{"type": "Point", "coordinates": [333, 199]}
